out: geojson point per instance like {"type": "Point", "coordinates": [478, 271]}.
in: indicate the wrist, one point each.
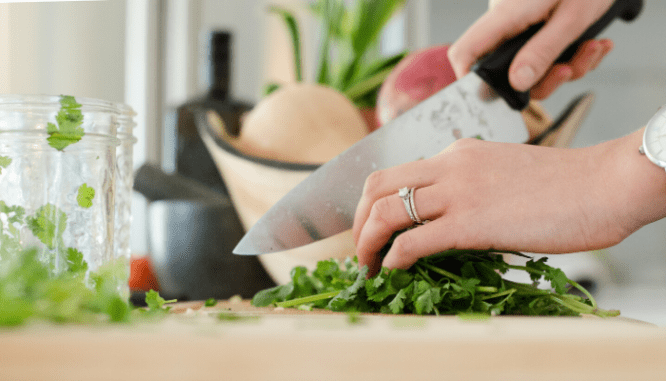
{"type": "Point", "coordinates": [640, 183]}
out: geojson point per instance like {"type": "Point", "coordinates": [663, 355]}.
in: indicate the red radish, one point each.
{"type": "Point", "coordinates": [415, 78]}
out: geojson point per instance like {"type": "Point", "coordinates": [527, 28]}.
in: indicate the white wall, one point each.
{"type": "Point", "coordinates": [63, 48]}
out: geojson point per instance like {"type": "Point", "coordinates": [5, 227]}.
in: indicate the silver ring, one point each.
{"type": "Point", "coordinates": [407, 196]}
{"type": "Point", "coordinates": [404, 194]}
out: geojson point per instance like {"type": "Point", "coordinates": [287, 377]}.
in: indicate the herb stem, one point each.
{"type": "Point", "coordinates": [308, 299]}
{"type": "Point", "coordinates": [584, 291]}
{"type": "Point", "coordinates": [507, 292]}
{"type": "Point", "coordinates": [571, 282]}
{"type": "Point", "coordinates": [442, 272]}
{"type": "Point", "coordinates": [455, 277]}
{"type": "Point", "coordinates": [526, 289]}
{"type": "Point", "coordinates": [573, 305]}
{"type": "Point", "coordinates": [526, 269]}
{"type": "Point", "coordinates": [488, 289]}
{"type": "Point", "coordinates": [425, 275]}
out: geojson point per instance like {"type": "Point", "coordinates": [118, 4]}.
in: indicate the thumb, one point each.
{"type": "Point", "coordinates": [538, 55]}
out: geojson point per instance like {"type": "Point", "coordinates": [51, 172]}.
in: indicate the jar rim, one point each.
{"type": "Point", "coordinates": [91, 104]}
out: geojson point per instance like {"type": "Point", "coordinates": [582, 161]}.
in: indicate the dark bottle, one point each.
{"type": "Point", "coordinates": [192, 157]}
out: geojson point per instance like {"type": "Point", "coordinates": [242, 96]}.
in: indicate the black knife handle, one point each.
{"type": "Point", "coordinates": [494, 68]}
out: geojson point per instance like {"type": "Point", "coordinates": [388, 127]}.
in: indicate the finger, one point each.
{"type": "Point", "coordinates": [540, 52]}
{"type": "Point", "coordinates": [387, 182]}
{"type": "Point", "coordinates": [389, 215]}
{"type": "Point", "coordinates": [587, 55]}
{"type": "Point", "coordinates": [494, 27]}
{"type": "Point", "coordinates": [557, 76]}
{"type": "Point", "coordinates": [422, 241]}
{"type": "Point", "coordinates": [607, 48]}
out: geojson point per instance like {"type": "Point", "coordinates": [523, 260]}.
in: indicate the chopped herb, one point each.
{"type": "Point", "coordinates": [234, 317]}
{"type": "Point", "coordinates": [4, 162]}
{"type": "Point", "coordinates": [211, 302]}
{"type": "Point", "coordinates": [155, 302]}
{"type": "Point", "coordinates": [472, 316]}
{"type": "Point", "coordinates": [354, 317]}
{"type": "Point", "coordinates": [69, 120]}
{"type": "Point", "coordinates": [85, 196]}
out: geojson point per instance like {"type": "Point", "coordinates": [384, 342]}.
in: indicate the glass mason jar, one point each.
{"type": "Point", "coordinates": [59, 179]}
{"type": "Point", "coordinates": [123, 197]}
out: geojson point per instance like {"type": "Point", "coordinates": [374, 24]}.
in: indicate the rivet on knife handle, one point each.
{"type": "Point", "coordinates": [494, 68]}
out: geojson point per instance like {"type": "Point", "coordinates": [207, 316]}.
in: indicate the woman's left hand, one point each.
{"type": "Point", "coordinates": [486, 195]}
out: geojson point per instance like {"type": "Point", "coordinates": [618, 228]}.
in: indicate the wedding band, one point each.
{"type": "Point", "coordinates": [413, 206]}
{"type": "Point", "coordinates": [407, 196]}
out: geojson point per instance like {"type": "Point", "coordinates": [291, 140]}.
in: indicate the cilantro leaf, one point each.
{"type": "Point", "coordinates": [558, 280]}
{"type": "Point", "coordinates": [69, 120]}
{"type": "Point", "coordinates": [272, 295]}
{"type": "Point", "coordinates": [397, 305]}
{"type": "Point", "coordinates": [426, 301]}
{"type": "Point", "coordinates": [155, 302]}
{"type": "Point", "coordinates": [47, 224]}
{"type": "Point", "coordinates": [347, 296]}
{"type": "Point", "coordinates": [14, 213]}
{"type": "Point", "coordinates": [387, 283]}
{"type": "Point", "coordinates": [118, 310]}
{"type": "Point", "coordinates": [85, 196]}
{"type": "Point", "coordinates": [4, 162]}
{"type": "Point", "coordinates": [75, 261]}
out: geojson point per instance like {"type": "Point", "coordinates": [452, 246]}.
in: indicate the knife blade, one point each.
{"type": "Point", "coordinates": [482, 104]}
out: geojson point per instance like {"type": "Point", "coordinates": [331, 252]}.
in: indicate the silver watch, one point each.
{"type": "Point", "coordinates": [654, 138]}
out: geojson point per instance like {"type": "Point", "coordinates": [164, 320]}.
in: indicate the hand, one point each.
{"type": "Point", "coordinates": [532, 68]}
{"type": "Point", "coordinates": [486, 195]}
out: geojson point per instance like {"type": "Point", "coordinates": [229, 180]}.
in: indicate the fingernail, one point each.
{"type": "Point", "coordinates": [524, 77]}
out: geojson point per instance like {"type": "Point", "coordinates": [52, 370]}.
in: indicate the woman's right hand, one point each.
{"type": "Point", "coordinates": [532, 68]}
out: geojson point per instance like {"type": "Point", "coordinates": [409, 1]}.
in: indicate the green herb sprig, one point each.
{"type": "Point", "coordinates": [348, 60]}
{"type": "Point", "coordinates": [455, 282]}
{"type": "Point", "coordinates": [69, 120]}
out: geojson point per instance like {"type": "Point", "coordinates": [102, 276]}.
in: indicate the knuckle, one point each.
{"type": "Point", "coordinates": [465, 143]}
{"type": "Point", "coordinates": [543, 58]}
{"type": "Point", "coordinates": [459, 59]}
{"type": "Point", "coordinates": [404, 245]}
{"type": "Point", "coordinates": [373, 183]}
{"type": "Point", "coordinates": [380, 211]}
{"type": "Point", "coordinates": [453, 52]}
{"type": "Point", "coordinates": [464, 149]}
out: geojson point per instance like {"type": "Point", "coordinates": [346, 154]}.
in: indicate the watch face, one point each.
{"type": "Point", "coordinates": [654, 139]}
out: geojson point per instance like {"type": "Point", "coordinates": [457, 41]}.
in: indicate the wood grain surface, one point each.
{"type": "Point", "coordinates": [270, 344]}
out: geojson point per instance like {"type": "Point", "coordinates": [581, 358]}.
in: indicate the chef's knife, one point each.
{"type": "Point", "coordinates": [482, 104]}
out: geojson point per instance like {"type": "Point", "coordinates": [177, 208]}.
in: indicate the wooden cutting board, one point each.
{"type": "Point", "coordinates": [270, 344]}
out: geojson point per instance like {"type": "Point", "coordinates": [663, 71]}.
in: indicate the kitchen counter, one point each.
{"type": "Point", "coordinates": [264, 343]}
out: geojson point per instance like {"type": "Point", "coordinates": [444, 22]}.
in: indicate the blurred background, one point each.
{"type": "Point", "coordinates": [155, 56]}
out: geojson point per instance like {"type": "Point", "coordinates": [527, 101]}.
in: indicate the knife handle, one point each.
{"type": "Point", "coordinates": [494, 68]}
